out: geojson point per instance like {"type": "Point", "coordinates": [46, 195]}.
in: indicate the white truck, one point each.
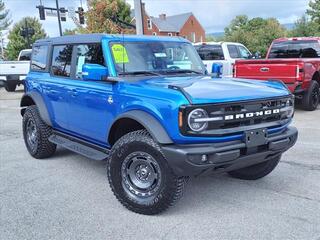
{"type": "Point", "coordinates": [12, 73]}
{"type": "Point", "coordinates": [224, 53]}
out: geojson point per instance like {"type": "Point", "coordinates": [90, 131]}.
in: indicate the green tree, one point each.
{"type": "Point", "coordinates": [17, 42]}
{"type": "Point", "coordinates": [4, 17]}
{"type": "Point", "coordinates": [103, 16]}
{"type": "Point", "coordinates": [70, 32]}
{"type": "Point", "coordinates": [314, 11]}
{"type": "Point", "coordinates": [256, 33]}
{"type": "Point", "coordinates": [304, 28]}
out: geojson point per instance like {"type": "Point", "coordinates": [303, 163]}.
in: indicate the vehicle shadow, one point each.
{"type": "Point", "coordinates": [201, 194]}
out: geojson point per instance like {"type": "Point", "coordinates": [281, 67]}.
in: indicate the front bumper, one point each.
{"type": "Point", "coordinates": [198, 159]}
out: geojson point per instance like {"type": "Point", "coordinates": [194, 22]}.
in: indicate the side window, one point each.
{"type": "Point", "coordinates": [61, 60]}
{"type": "Point", "coordinates": [210, 52]}
{"type": "Point", "coordinates": [39, 58]}
{"type": "Point", "coordinates": [88, 53]}
{"type": "Point", "coordinates": [244, 53]}
{"type": "Point", "coordinates": [233, 51]}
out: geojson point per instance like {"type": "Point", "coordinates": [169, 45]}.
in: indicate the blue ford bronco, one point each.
{"type": "Point", "coordinates": [148, 106]}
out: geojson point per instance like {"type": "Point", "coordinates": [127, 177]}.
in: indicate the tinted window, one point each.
{"type": "Point", "coordinates": [39, 58]}
{"type": "Point", "coordinates": [233, 51]}
{"type": "Point", "coordinates": [61, 60]}
{"type": "Point", "coordinates": [88, 53]}
{"type": "Point", "coordinates": [295, 49]}
{"type": "Point", "coordinates": [210, 52]}
{"type": "Point", "coordinates": [25, 56]}
{"type": "Point", "coordinates": [244, 53]}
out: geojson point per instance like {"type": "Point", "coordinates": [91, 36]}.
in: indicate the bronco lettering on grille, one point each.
{"type": "Point", "coordinates": [251, 114]}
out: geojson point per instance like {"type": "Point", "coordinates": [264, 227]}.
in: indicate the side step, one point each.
{"type": "Point", "coordinates": [79, 146]}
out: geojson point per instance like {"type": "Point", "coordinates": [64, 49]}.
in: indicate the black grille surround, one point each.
{"type": "Point", "coordinates": [239, 125]}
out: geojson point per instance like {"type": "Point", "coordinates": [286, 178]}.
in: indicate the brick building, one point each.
{"type": "Point", "coordinates": [185, 25]}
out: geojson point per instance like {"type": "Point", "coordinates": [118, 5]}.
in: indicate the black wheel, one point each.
{"type": "Point", "coordinates": [256, 171]}
{"type": "Point", "coordinates": [36, 133]}
{"type": "Point", "coordinates": [140, 176]}
{"type": "Point", "coordinates": [10, 87]}
{"type": "Point", "coordinates": [311, 98]}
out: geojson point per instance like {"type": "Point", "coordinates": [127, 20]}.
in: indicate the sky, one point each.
{"type": "Point", "coordinates": [214, 15]}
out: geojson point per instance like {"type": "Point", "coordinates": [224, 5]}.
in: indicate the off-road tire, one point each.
{"type": "Point", "coordinates": [311, 98]}
{"type": "Point", "coordinates": [42, 148]}
{"type": "Point", "coordinates": [170, 189]}
{"type": "Point", "coordinates": [10, 87]}
{"type": "Point", "coordinates": [257, 171]}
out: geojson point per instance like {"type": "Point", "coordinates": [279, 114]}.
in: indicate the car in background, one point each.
{"type": "Point", "coordinates": [224, 53]}
{"type": "Point", "coordinates": [295, 62]}
{"type": "Point", "coordinates": [12, 73]}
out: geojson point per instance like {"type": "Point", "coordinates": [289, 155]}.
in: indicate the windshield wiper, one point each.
{"type": "Point", "coordinates": [140, 73]}
{"type": "Point", "coordinates": [182, 71]}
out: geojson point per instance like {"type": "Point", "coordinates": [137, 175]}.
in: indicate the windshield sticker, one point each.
{"type": "Point", "coordinates": [160, 55]}
{"type": "Point", "coordinates": [120, 53]}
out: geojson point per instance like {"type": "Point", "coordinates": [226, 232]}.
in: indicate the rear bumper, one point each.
{"type": "Point", "coordinates": [189, 160]}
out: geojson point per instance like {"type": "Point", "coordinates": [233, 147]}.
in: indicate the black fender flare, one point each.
{"type": "Point", "coordinates": [39, 102]}
{"type": "Point", "coordinates": [150, 123]}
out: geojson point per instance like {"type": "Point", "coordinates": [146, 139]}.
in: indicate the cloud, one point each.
{"type": "Point", "coordinates": [23, 8]}
{"type": "Point", "coordinates": [214, 15]}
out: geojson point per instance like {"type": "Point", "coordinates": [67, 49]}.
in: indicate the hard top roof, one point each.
{"type": "Point", "coordinates": [97, 37]}
{"type": "Point", "coordinates": [297, 39]}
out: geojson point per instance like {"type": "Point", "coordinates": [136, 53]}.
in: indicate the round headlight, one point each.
{"type": "Point", "coordinates": [197, 120]}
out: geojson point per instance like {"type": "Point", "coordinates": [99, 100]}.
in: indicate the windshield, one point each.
{"type": "Point", "coordinates": [295, 49]}
{"type": "Point", "coordinates": [156, 58]}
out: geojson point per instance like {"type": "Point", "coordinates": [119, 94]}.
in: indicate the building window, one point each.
{"type": "Point", "coordinates": [154, 34]}
{"type": "Point", "coordinates": [170, 34]}
{"type": "Point", "coordinates": [149, 23]}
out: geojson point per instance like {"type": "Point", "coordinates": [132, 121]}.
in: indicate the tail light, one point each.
{"type": "Point", "coordinates": [234, 70]}
{"type": "Point", "coordinates": [300, 72]}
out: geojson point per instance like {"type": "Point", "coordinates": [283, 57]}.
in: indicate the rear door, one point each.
{"type": "Point", "coordinates": [55, 87]}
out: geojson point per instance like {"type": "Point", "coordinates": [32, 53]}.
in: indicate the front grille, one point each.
{"type": "Point", "coordinates": [240, 116]}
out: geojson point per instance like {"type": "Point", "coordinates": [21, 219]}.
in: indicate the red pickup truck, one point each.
{"type": "Point", "coordinates": [294, 61]}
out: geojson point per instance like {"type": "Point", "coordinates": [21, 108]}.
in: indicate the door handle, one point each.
{"type": "Point", "coordinates": [264, 69]}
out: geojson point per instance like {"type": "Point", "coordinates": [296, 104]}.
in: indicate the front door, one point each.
{"type": "Point", "coordinates": [90, 113]}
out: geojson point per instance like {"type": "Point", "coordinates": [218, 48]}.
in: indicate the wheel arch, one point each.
{"type": "Point", "coordinates": [35, 98]}
{"type": "Point", "coordinates": [316, 77]}
{"type": "Point", "coordinates": [136, 120]}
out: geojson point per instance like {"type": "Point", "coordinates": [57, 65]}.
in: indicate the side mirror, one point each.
{"type": "Point", "coordinates": [257, 55]}
{"type": "Point", "coordinates": [94, 72]}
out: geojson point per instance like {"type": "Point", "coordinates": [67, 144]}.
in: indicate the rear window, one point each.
{"type": "Point", "coordinates": [295, 49]}
{"type": "Point", "coordinates": [61, 60]}
{"type": "Point", "coordinates": [210, 52]}
{"type": "Point", "coordinates": [25, 56]}
{"type": "Point", "coordinates": [233, 51]}
{"type": "Point", "coordinates": [39, 58]}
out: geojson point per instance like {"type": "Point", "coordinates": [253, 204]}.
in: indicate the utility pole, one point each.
{"type": "Point", "coordinates": [59, 20]}
{"type": "Point", "coordinates": [138, 16]}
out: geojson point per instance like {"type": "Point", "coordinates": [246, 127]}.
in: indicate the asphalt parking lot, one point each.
{"type": "Point", "coordinates": [68, 197]}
